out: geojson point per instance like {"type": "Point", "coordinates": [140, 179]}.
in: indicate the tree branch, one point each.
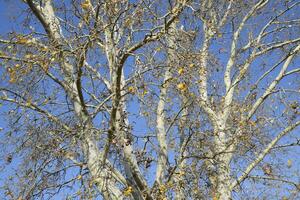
{"type": "Point", "coordinates": [261, 156]}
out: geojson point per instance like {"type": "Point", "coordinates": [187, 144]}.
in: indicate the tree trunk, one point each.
{"type": "Point", "coordinates": [223, 157]}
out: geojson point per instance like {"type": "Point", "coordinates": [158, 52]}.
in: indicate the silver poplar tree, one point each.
{"type": "Point", "coordinates": [151, 99]}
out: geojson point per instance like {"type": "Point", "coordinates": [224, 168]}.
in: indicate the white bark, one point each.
{"type": "Point", "coordinates": [99, 172]}
{"type": "Point", "coordinates": [132, 169]}
{"type": "Point", "coordinates": [222, 139]}
{"type": "Point", "coordinates": [274, 83]}
{"type": "Point", "coordinates": [179, 180]}
{"type": "Point", "coordinates": [252, 111]}
{"type": "Point", "coordinates": [119, 122]}
{"type": "Point", "coordinates": [233, 53]}
{"type": "Point", "coordinates": [223, 178]}
{"type": "Point", "coordinates": [161, 131]}
{"type": "Point", "coordinates": [106, 177]}
{"type": "Point", "coordinates": [160, 111]}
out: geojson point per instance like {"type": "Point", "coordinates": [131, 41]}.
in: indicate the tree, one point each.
{"type": "Point", "coordinates": [148, 99]}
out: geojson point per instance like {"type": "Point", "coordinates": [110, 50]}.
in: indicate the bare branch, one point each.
{"type": "Point", "coordinates": [261, 156]}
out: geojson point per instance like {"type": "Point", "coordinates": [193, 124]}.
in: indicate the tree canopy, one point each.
{"type": "Point", "coordinates": [151, 99]}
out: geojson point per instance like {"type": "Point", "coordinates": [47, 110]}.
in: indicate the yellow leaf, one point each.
{"type": "Point", "coordinates": [28, 55]}
{"type": "Point", "coordinates": [85, 5]}
{"type": "Point", "coordinates": [158, 49]}
{"type": "Point", "coordinates": [91, 184]}
{"type": "Point", "coordinates": [202, 71]}
{"type": "Point", "coordinates": [12, 80]}
{"type": "Point", "coordinates": [192, 65]}
{"type": "Point", "coordinates": [180, 70]}
{"type": "Point", "coordinates": [294, 105]}
{"type": "Point", "coordinates": [22, 40]}
{"type": "Point", "coordinates": [181, 173]}
{"type": "Point", "coordinates": [182, 87]}
{"type": "Point", "coordinates": [169, 184]}
{"type": "Point", "coordinates": [144, 92]}
{"type": "Point", "coordinates": [289, 163]}
{"type": "Point", "coordinates": [128, 22]}
{"type": "Point", "coordinates": [28, 102]}
{"type": "Point", "coordinates": [9, 69]}
{"type": "Point", "coordinates": [242, 123]}
{"type": "Point", "coordinates": [128, 191]}
{"type": "Point", "coordinates": [163, 188]}
{"type": "Point", "coordinates": [131, 89]}
{"type": "Point", "coordinates": [252, 123]}
{"type": "Point", "coordinates": [79, 177]}
{"type": "Point", "coordinates": [44, 48]}
{"type": "Point", "coordinates": [12, 75]}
